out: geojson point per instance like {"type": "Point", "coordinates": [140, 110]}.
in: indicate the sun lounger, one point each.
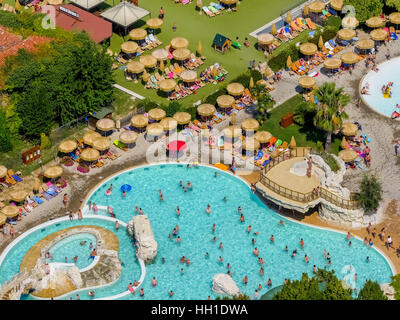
{"type": "Point", "coordinates": [208, 12]}
{"type": "Point", "coordinates": [185, 2]}
{"type": "Point", "coordinates": [214, 10]}
{"type": "Point", "coordinates": [38, 200]}
{"type": "Point", "coordinates": [120, 145]}
{"type": "Point", "coordinates": [17, 178]}
{"type": "Point", "coordinates": [10, 180]}
{"type": "Point", "coordinates": [217, 6]}
{"type": "Point", "coordinates": [259, 155]}
{"type": "Point", "coordinates": [310, 24]}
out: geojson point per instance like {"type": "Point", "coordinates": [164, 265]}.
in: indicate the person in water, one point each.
{"type": "Point", "coordinates": [208, 209]}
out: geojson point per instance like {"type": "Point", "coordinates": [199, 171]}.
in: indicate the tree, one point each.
{"type": "Point", "coordinates": [371, 291]}
{"type": "Point", "coordinates": [324, 285]}
{"type": "Point", "coordinates": [396, 285]}
{"type": "Point", "coordinates": [240, 296]}
{"type": "Point", "coordinates": [264, 102]}
{"type": "Point", "coordinates": [172, 108]}
{"type": "Point", "coordinates": [5, 138]}
{"type": "Point", "coordinates": [393, 4]}
{"type": "Point", "coordinates": [330, 110]}
{"type": "Point", "coordinates": [370, 193]}
{"type": "Point", "coordinates": [365, 9]}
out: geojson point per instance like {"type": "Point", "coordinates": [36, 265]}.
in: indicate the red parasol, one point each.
{"type": "Point", "coordinates": [177, 145]}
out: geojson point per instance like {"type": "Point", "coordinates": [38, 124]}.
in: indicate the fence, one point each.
{"type": "Point", "coordinates": [350, 204]}
{"type": "Point", "coordinates": [124, 121]}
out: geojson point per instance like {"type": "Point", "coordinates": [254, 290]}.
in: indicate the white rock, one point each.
{"type": "Point", "coordinates": [75, 276]}
{"type": "Point", "coordinates": [223, 284]}
{"type": "Point", "coordinates": [388, 290]}
{"type": "Point", "coordinates": [146, 244]}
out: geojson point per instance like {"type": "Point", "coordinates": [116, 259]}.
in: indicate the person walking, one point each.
{"type": "Point", "coordinates": [161, 13]}
{"type": "Point", "coordinates": [396, 148]}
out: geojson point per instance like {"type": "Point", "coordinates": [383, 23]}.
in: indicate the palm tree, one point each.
{"type": "Point", "coordinates": [330, 110]}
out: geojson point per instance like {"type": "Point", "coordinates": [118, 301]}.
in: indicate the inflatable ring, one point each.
{"type": "Point", "coordinates": [108, 192]}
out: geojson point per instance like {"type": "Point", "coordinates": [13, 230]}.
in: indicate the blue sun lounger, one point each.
{"type": "Point", "coordinates": [259, 155]}
{"type": "Point", "coordinates": [37, 200]}
{"type": "Point", "coordinates": [17, 178]}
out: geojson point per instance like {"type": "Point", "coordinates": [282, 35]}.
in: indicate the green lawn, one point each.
{"type": "Point", "coordinates": [251, 15]}
{"type": "Point", "coordinates": [304, 136]}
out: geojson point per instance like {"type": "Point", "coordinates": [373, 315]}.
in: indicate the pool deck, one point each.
{"type": "Point", "coordinates": [109, 242]}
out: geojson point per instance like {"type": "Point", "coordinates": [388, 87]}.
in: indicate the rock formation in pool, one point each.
{"type": "Point", "coordinates": [223, 284]}
{"type": "Point", "coordinates": [139, 228]}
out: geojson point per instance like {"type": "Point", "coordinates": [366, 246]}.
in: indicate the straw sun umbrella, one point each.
{"type": "Point", "coordinates": [105, 124]}
{"type": "Point", "coordinates": [378, 34]}
{"type": "Point", "coordinates": [308, 48]}
{"type": "Point", "coordinates": [348, 155]}
{"type": "Point", "coordinates": [3, 219]}
{"type": "Point", "coordinates": [206, 110]}
{"type": "Point", "coordinates": [10, 211]}
{"type": "Point", "coordinates": [199, 48]}
{"type": "Point", "coordinates": [349, 22]}
{"type": "Point", "coordinates": [160, 54]}
{"type": "Point", "coordinates": [3, 171]}
{"type": "Point", "coordinates": [169, 123]}
{"type": "Point", "coordinates": [167, 85]}
{"type": "Point", "coordinates": [135, 67]}
{"type": "Point", "coordinates": [225, 101]}
{"type": "Point", "coordinates": [263, 136]}
{"type": "Point", "coordinates": [332, 63]}
{"type": "Point", "coordinates": [154, 129]}
{"type": "Point", "coordinates": [316, 6]}
{"type": "Point", "coordinates": [346, 34]}
{"type": "Point", "coordinates": [129, 47]}
{"type": "Point", "coordinates": [235, 89]}
{"type": "Point", "coordinates": [67, 146]}
{"type": "Point", "coordinates": [395, 18]}
{"type": "Point", "coordinates": [182, 117]}
{"type": "Point", "coordinates": [179, 42]}
{"type": "Point", "coordinates": [90, 136]}
{"type": "Point", "coordinates": [102, 143]}
{"type": "Point", "coordinates": [53, 172]}
{"type": "Point", "coordinates": [18, 195]}
{"type": "Point", "coordinates": [289, 62]}
{"type": "Point", "coordinates": [138, 34]}
{"type": "Point", "coordinates": [139, 121]}
{"type": "Point", "coordinates": [365, 44]}
{"type": "Point", "coordinates": [154, 23]}
{"type": "Point", "coordinates": [349, 129]}
{"type": "Point", "coordinates": [336, 5]}
{"type": "Point", "coordinates": [188, 75]}
{"type": "Point", "coordinates": [232, 132]}
{"type": "Point", "coordinates": [250, 125]}
{"type": "Point", "coordinates": [349, 57]}
{"type": "Point", "coordinates": [157, 114]}
{"type": "Point", "coordinates": [375, 22]}
{"type": "Point", "coordinates": [148, 61]}
{"type": "Point", "coordinates": [306, 82]}
{"type": "Point", "coordinates": [273, 29]}
{"type": "Point", "coordinates": [90, 154]}
{"type": "Point", "coordinates": [292, 144]}
{"type": "Point", "coordinates": [250, 144]}
{"type": "Point", "coordinates": [128, 137]}
{"type": "Point", "coordinates": [181, 54]}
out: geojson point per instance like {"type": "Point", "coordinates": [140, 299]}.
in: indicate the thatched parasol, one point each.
{"type": "Point", "coordinates": [332, 63]}
{"type": "Point", "coordinates": [169, 123]}
{"type": "Point", "coordinates": [306, 82]}
{"type": "Point", "coordinates": [273, 29]}
{"type": "Point", "coordinates": [53, 172]}
{"type": "Point", "coordinates": [148, 61]}
{"type": "Point", "coordinates": [349, 57]}
{"type": "Point", "coordinates": [250, 125]}
{"type": "Point", "coordinates": [167, 85]}
{"type": "Point", "coordinates": [199, 48]}
{"type": "Point", "coordinates": [3, 171]}
{"type": "Point", "coordinates": [138, 34]}
{"type": "Point", "coordinates": [129, 47]}
{"type": "Point", "coordinates": [232, 132]}
{"type": "Point", "coordinates": [102, 143]}
{"type": "Point", "coordinates": [316, 6]}
{"type": "Point", "coordinates": [346, 34]}
{"type": "Point", "coordinates": [225, 101]}
{"type": "Point", "coordinates": [308, 48]}
{"type": "Point", "coordinates": [182, 117]}
{"type": "Point", "coordinates": [265, 38]}
{"type": "Point", "coordinates": [343, 144]}
{"type": "Point", "coordinates": [10, 211]}
{"type": "Point", "coordinates": [336, 5]}
{"type": "Point", "coordinates": [320, 42]}
{"type": "Point", "coordinates": [263, 136]}
{"type": "Point", "coordinates": [128, 137]}
{"type": "Point", "coordinates": [160, 54]}
{"type": "Point", "coordinates": [18, 195]}
{"type": "Point", "coordinates": [235, 89]}
{"type": "Point", "coordinates": [229, 1]}
{"type": "Point", "coordinates": [251, 84]}
{"type": "Point", "coordinates": [90, 136]}
{"type": "Point", "coordinates": [157, 114]}
{"type": "Point", "coordinates": [348, 155]}
{"type": "Point", "coordinates": [250, 144]}
{"type": "Point", "coordinates": [349, 22]}
{"type": "Point", "coordinates": [378, 34]}
{"type": "Point", "coordinates": [135, 67]}
{"type": "Point", "coordinates": [289, 18]}
{"type": "Point", "coordinates": [349, 129]}
{"type": "Point", "coordinates": [67, 146]}
{"type": "Point", "coordinates": [306, 11]}
{"type": "Point", "coordinates": [289, 62]}
{"type": "Point", "coordinates": [206, 110]}
{"type": "Point", "coordinates": [292, 144]}
{"type": "Point", "coordinates": [154, 23]}
{"type": "Point", "coordinates": [105, 124]}
{"type": "Point", "coordinates": [154, 129]}
{"type": "Point", "coordinates": [139, 121]}
{"type": "Point", "coordinates": [394, 17]}
{"type": "Point", "coordinates": [3, 219]}
{"type": "Point", "coordinates": [365, 44]}
{"type": "Point", "coordinates": [181, 54]}
{"type": "Point", "coordinates": [90, 154]}
{"type": "Point", "coordinates": [179, 42]}
{"type": "Point", "coordinates": [189, 75]}
{"type": "Point", "coordinates": [375, 22]}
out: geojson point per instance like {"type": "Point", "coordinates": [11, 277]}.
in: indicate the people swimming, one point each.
{"type": "Point", "coordinates": [208, 209]}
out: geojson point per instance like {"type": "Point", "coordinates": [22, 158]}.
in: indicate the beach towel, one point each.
{"type": "Point", "coordinates": [185, 2]}
{"type": "Point", "coordinates": [259, 155]}
{"type": "Point", "coordinates": [38, 200]}
{"type": "Point", "coordinates": [314, 74]}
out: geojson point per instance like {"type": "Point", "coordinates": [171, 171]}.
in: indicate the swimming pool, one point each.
{"type": "Point", "coordinates": [75, 245]}
{"type": "Point", "coordinates": [388, 72]}
{"type": "Point", "coordinates": [195, 229]}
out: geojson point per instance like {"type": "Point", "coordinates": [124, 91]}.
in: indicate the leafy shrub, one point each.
{"type": "Point", "coordinates": [212, 98]}
{"type": "Point", "coordinates": [327, 157]}
{"type": "Point", "coordinates": [45, 142]}
{"type": "Point", "coordinates": [279, 61]}
{"type": "Point", "coordinates": [5, 137]}
{"type": "Point", "coordinates": [370, 193]}
{"type": "Point", "coordinates": [240, 296]}
{"type": "Point", "coordinates": [256, 75]}
{"type": "Point", "coordinates": [147, 104]}
{"type": "Point", "coordinates": [172, 108]}
{"type": "Point", "coordinates": [371, 291]}
{"type": "Point", "coordinates": [396, 285]}
{"type": "Point", "coordinates": [334, 21]}
{"type": "Point", "coordinates": [244, 79]}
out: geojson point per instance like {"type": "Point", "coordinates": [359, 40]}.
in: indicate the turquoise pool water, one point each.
{"type": "Point", "coordinates": [195, 230]}
{"type": "Point", "coordinates": [388, 72]}
{"type": "Point", "coordinates": [71, 247]}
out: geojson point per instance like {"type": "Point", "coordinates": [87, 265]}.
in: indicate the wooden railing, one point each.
{"type": "Point", "coordinates": [350, 204]}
